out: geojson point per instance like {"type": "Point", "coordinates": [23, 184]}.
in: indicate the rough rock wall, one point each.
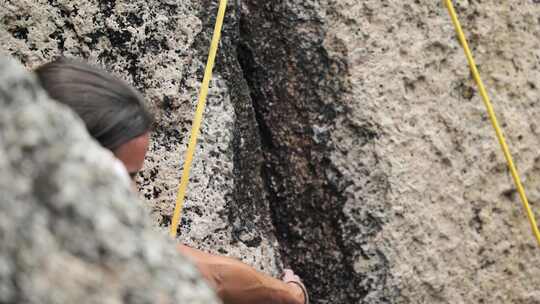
{"type": "Point", "coordinates": [72, 230]}
{"type": "Point", "coordinates": [388, 185]}
{"type": "Point", "coordinates": [161, 47]}
{"type": "Point", "coordinates": [351, 128]}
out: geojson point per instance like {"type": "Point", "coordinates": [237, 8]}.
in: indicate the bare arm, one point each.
{"type": "Point", "coordinates": [237, 283]}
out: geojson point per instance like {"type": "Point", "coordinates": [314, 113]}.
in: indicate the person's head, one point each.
{"type": "Point", "coordinates": [114, 112]}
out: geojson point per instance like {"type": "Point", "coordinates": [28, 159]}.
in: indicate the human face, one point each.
{"type": "Point", "coordinates": [132, 153]}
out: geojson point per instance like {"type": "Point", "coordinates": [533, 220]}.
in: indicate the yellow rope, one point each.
{"type": "Point", "coordinates": [198, 119]}
{"type": "Point", "coordinates": [493, 118]}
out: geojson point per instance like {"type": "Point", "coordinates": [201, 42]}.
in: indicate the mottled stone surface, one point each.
{"type": "Point", "coordinates": [72, 230]}
{"type": "Point", "coordinates": [343, 138]}
{"type": "Point", "coordinates": [389, 184]}
{"type": "Point", "coordinates": [161, 47]}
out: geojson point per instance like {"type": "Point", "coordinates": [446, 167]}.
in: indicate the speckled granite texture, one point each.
{"type": "Point", "coordinates": [343, 138]}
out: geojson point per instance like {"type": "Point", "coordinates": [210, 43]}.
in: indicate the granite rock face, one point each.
{"type": "Point", "coordinates": [160, 47]}
{"type": "Point", "coordinates": [72, 230]}
{"type": "Point", "coordinates": [343, 138]}
{"type": "Point", "coordinates": [386, 179]}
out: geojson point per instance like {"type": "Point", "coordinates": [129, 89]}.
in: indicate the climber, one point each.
{"type": "Point", "coordinates": [115, 115]}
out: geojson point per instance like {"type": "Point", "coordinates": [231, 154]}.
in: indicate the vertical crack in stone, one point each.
{"type": "Point", "coordinates": [245, 59]}
{"type": "Point", "coordinates": [248, 211]}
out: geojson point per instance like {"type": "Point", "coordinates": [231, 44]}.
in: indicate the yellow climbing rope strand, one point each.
{"type": "Point", "coordinates": [493, 119]}
{"type": "Point", "coordinates": [198, 119]}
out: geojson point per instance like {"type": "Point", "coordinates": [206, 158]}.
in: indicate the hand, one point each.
{"type": "Point", "coordinates": [296, 286]}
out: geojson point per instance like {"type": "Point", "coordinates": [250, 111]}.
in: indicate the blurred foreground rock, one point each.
{"type": "Point", "coordinates": [71, 229]}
